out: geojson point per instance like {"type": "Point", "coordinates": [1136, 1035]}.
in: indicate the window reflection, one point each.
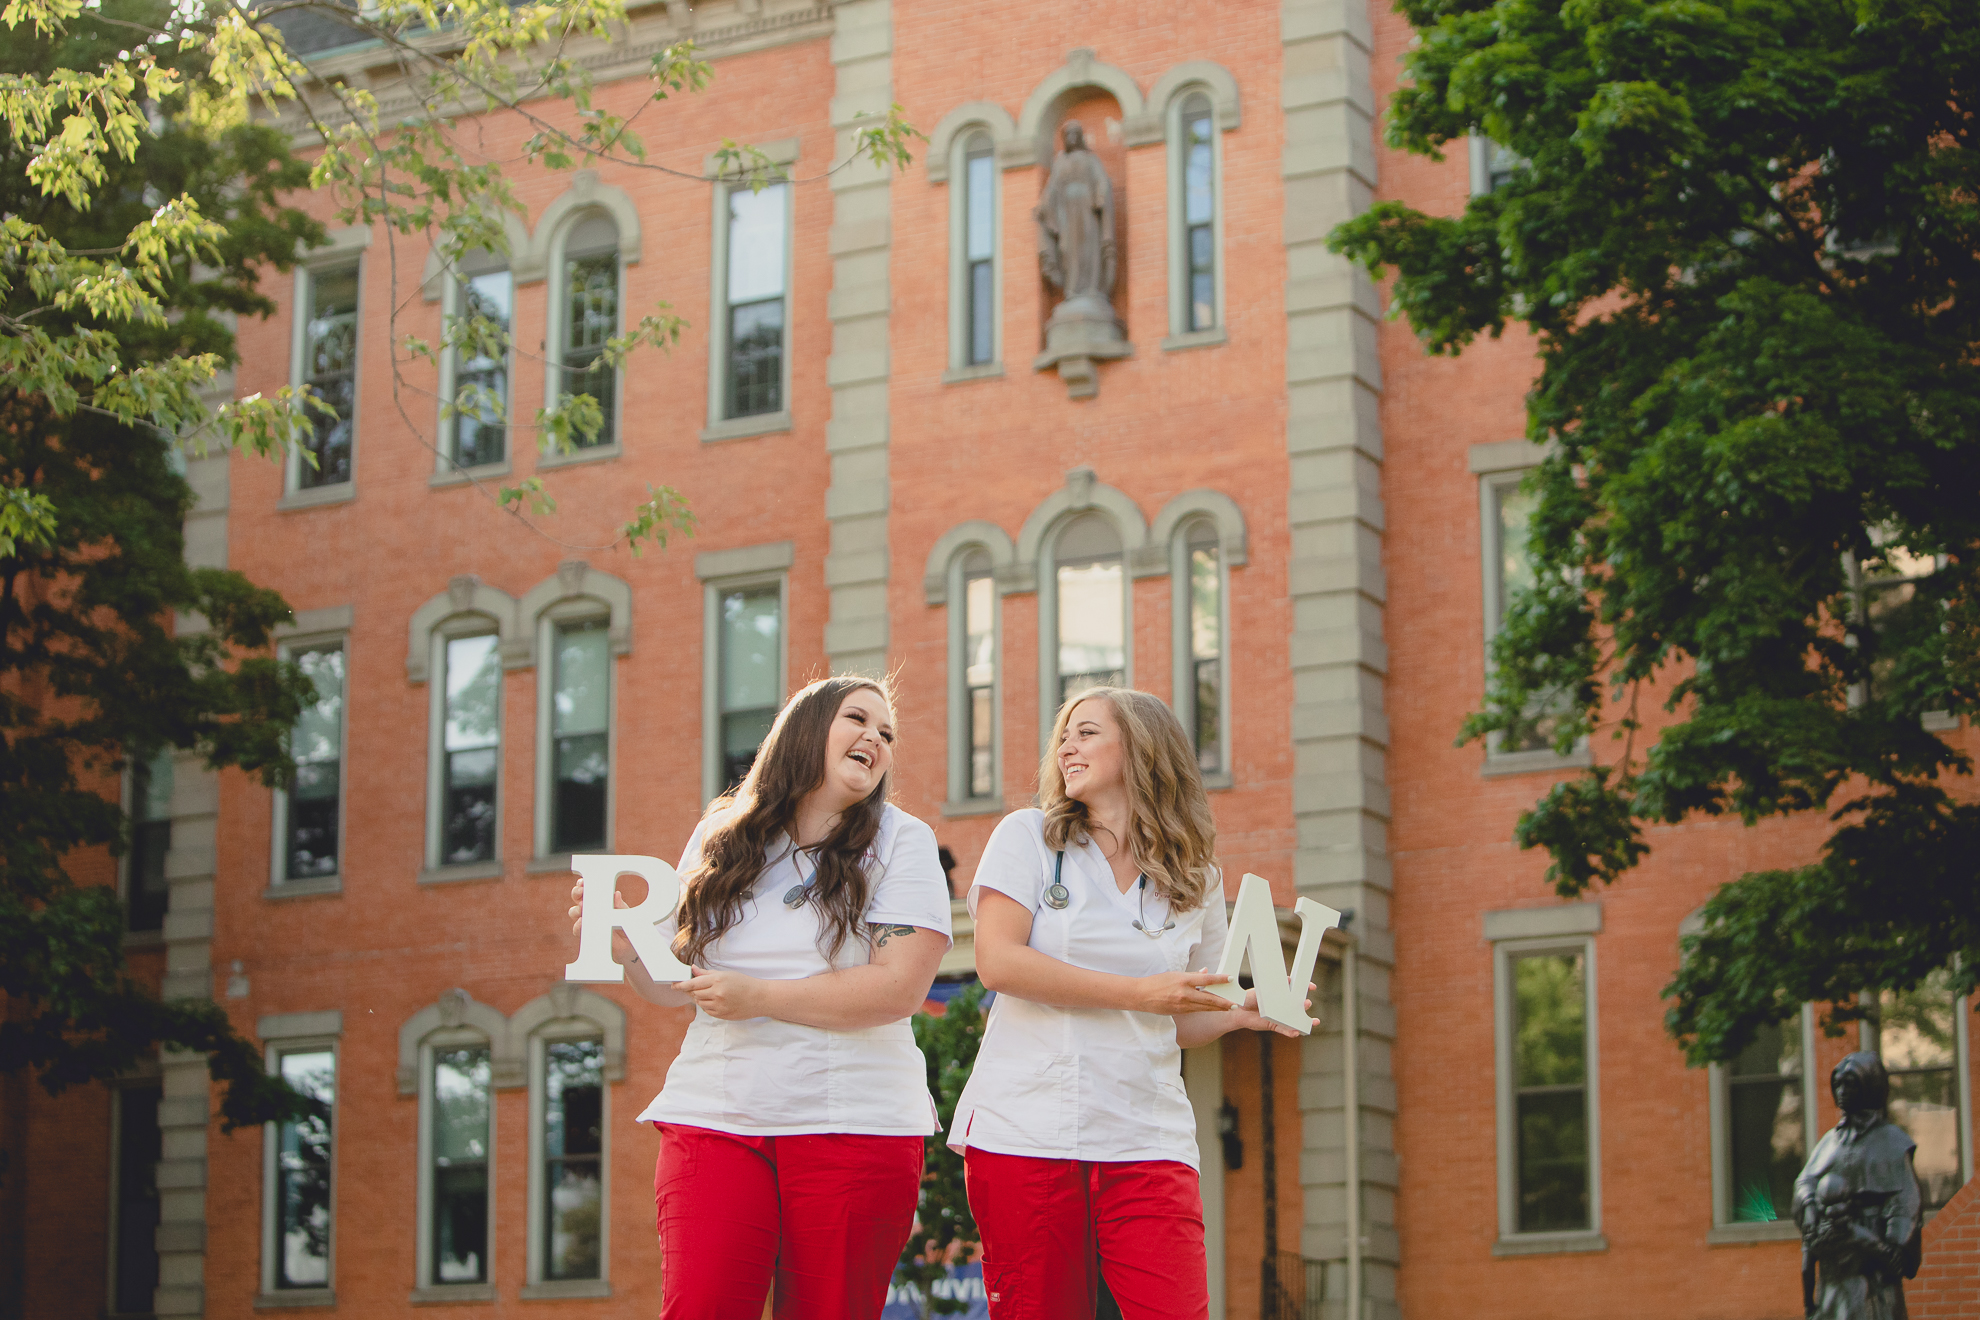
{"type": "Point", "coordinates": [460, 1164]}
{"type": "Point", "coordinates": [315, 799]}
{"type": "Point", "coordinates": [750, 661]}
{"type": "Point", "coordinates": [302, 1173]}
{"type": "Point", "coordinates": [472, 749]}
{"type": "Point", "coordinates": [1091, 581]}
{"type": "Point", "coordinates": [1550, 1090]}
{"type": "Point", "coordinates": [1764, 1123]}
{"type": "Point", "coordinates": [579, 723]}
{"type": "Point", "coordinates": [1916, 1039]}
{"type": "Point", "coordinates": [573, 1143]}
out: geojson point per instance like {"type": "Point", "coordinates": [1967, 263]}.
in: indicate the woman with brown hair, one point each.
{"type": "Point", "coordinates": [1097, 918]}
{"type": "Point", "coordinates": [813, 915]}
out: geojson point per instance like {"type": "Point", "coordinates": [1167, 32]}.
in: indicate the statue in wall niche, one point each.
{"type": "Point", "coordinates": [1857, 1204]}
{"type": "Point", "coordinates": [1078, 257]}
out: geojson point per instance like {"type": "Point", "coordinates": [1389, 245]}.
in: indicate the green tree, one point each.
{"type": "Point", "coordinates": [1743, 238]}
{"type": "Point", "coordinates": [948, 1044]}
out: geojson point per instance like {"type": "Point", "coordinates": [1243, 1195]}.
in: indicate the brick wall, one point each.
{"type": "Point", "coordinates": [1948, 1283]}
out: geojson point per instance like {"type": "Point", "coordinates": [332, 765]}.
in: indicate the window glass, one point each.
{"type": "Point", "coordinates": [756, 300]}
{"type": "Point", "coordinates": [980, 672]}
{"type": "Point", "coordinates": [315, 799]}
{"type": "Point", "coordinates": [751, 685]}
{"type": "Point", "coordinates": [1206, 646]}
{"type": "Point", "coordinates": [1767, 1139]}
{"type": "Point", "coordinates": [302, 1173]}
{"type": "Point", "coordinates": [1513, 506]}
{"type": "Point", "coordinates": [330, 335]}
{"type": "Point", "coordinates": [460, 1164]}
{"type": "Point", "coordinates": [573, 1142]}
{"type": "Point", "coordinates": [146, 892]}
{"type": "Point", "coordinates": [1092, 606]}
{"type": "Point", "coordinates": [472, 736]}
{"type": "Point", "coordinates": [980, 248]}
{"type": "Point", "coordinates": [1501, 163]}
{"type": "Point", "coordinates": [1916, 1038]}
{"type": "Point", "coordinates": [592, 288]}
{"type": "Point", "coordinates": [140, 1145]}
{"type": "Point", "coordinates": [579, 715]}
{"type": "Point", "coordinates": [481, 372]}
{"type": "Point", "coordinates": [1199, 211]}
{"type": "Point", "coordinates": [1550, 1090]}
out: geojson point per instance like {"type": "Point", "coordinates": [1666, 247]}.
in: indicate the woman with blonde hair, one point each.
{"type": "Point", "coordinates": [813, 915]}
{"type": "Point", "coordinates": [1097, 917]}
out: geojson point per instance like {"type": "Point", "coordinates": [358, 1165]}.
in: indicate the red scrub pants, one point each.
{"type": "Point", "coordinates": [1051, 1227]}
{"type": "Point", "coordinates": [826, 1214]}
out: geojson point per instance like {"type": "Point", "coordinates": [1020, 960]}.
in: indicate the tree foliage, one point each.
{"type": "Point", "coordinates": [1743, 237]}
{"type": "Point", "coordinates": [948, 1044]}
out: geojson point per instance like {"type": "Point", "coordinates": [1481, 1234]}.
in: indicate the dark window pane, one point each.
{"type": "Point", "coordinates": [572, 1218]}
{"type": "Point", "coordinates": [147, 894]}
{"type": "Point", "coordinates": [460, 1164]}
{"type": "Point", "coordinates": [1926, 1106]}
{"type": "Point", "coordinates": [982, 781]}
{"type": "Point", "coordinates": [743, 731]}
{"type": "Point", "coordinates": [1549, 1045]}
{"type": "Point", "coordinates": [139, 1148]}
{"type": "Point", "coordinates": [1553, 1160]}
{"type": "Point", "coordinates": [580, 805]}
{"type": "Point", "coordinates": [1202, 279]}
{"type": "Point", "coordinates": [481, 379]}
{"type": "Point", "coordinates": [756, 358]}
{"type": "Point", "coordinates": [573, 1143]}
{"type": "Point", "coordinates": [1764, 1124]}
{"type": "Point", "coordinates": [302, 1175]}
{"type": "Point", "coordinates": [330, 338]}
{"type": "Point", "coordinates": [593, 318]}
{"type": "Point", "coordinates": [580, 748]}
{"type": "Point", "coordinates": [982, 309]}
{"type": "Point", "coordinates": [317, 743]}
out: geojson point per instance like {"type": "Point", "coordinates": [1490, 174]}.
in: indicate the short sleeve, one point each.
{"type": "Point", "coordinates": [1015, 860]}
{"type": "Point", "coordinates": [1216, 928]}
{"type": "Point", "coordinates": [668, 926]}
{"type": "Point", "coordinates": [913, 891]}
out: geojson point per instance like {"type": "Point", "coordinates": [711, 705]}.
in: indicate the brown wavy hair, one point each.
{"type": "Point", "coordinates": [1171, 833]}
{"type": "Point", "coordinates": [790, 764]}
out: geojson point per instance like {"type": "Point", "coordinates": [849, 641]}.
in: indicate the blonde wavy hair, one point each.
{"type": "Point", "coordinates": [1171, 833]}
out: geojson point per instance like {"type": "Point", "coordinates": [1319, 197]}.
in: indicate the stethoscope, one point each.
{"type": "Point", "coordinates": [1057, 896]}
{"type": "Point", "coordinates": [794, 896]}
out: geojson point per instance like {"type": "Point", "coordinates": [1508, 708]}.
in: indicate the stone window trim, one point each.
{"type": "Point", "coordinates": [1171, 529]}
{"type": "Point", "coordinates": [1038, 121]}
{"type": "Point", "coordinates": [1171, 93]}
{"type": "Point", "coordinates": [560, 221]}
{"type": "Point", "coordinates": [782, 154]}
{"type": "Point", "coordinates": [567, 1012]}
{"type": "Point", "coordinates": [444, 1036]}
{"type": "Point", "coordinates": [311, 628]}
{"type": "Point", "coordinates": [346, 248]}
{"type": "Point", "coordinates": [726, 570]}
{"type": "Point", "coordinates": [957, 125]}
{"type": "Point", "coordinates": [285, 1033]}
{"type": "Point", "coordinates": [468, 607]}
{"type": "Point", "coordinates": [955, 161]}
{"type": "Point", "coordinates": [446, 471]}
{"type": "Point", "coordinates": [942, 585]}
{"type": "Point", "coordinates": [1562, 928]}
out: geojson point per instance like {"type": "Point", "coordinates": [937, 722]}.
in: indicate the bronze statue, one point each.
{"type": "Point", "coordinates": [1857, 1203]}
{"type": "Point", "coordinates": [1078, 256]}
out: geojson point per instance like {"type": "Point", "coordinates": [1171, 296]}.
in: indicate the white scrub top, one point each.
{"type": "Point", "coordinates": [1084, 1083]}
{"type": "Point", "coordinates": [765, 1078]}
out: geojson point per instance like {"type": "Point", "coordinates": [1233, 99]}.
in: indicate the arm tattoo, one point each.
{"type": "Point", "coordinates": [881, 934]}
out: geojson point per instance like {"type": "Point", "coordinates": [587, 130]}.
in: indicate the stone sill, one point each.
{"type": "Point", "coordinates": [1534, 763]}
{"type": "Point", "coordinates": [588, 454]}
{"type": "Point", "coordinates": [1549, 1244]}
{"type": "Point", "coordinates": [1744, 1235]}
{"type": "Point", "coordinates": [551, 865]}
{"type": "Point", "coordinates": [455, 476]}
{"type": "Point", "coordinates": [1218, 779]}
{"type": "Point", "coordinates": [342, 492]}
{"type": "Point", "coordinates": [1210, 338]}
{"type": "Point", "coordinates": [288, 1298]}
{"type": "Point", "coordinates": [981, 371]}
{"type": "Point", "coordinates": [314, 887]}
{"type": "Point", "coordinates": [551, 1290]}
{"type": "Point", "coordinates": [741, 428]}
{"type": "Point", "coordinates": [974, 807]}
{"type": "Point", "coordinates": [452, 1294]}
{"type": "Point", "coordinates": [144, 939]}
{"type": "Point", "coordinates": [460, 871]}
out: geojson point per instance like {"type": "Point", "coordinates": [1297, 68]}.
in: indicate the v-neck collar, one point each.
{"type": "Point", "coordinates": [1102, 875]}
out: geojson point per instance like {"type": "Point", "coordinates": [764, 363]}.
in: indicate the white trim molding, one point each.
{"type": "Point", "coordinates": [1219, 508]}
{"type": "Point", "coordinates": [986, 115]}
{"type": "Point", "coordinates": [1082, 491]}
{"type": "Point", "coordinates": [976, 533]}
{"type": "Point", "coordinates": [574, 580]}
{"type": "Point", "coordinates": [1211, 76]}
{"type": "Point", "coordinates": [454, 1010]}
{"type": "Point", "coordinates": [433, 275]}
{"type": "Point", "coordinates": [466, 594]}
{"type": "Point", "coordinates": [532, 262]}
{"type": "Point", "coordinates": [1037, 122]}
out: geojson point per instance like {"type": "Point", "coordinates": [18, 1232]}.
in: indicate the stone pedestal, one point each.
{"type": "Point", "coordinates": [1082, 331]}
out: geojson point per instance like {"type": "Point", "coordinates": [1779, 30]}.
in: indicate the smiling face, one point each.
{"type": "Point", "coordinates": [1091, 752]}
{"type": "Point", "coordinates": [859, 748]}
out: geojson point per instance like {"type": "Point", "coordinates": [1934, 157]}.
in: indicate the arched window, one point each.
{"type": "Point", "coordinates": [1090, 606]}
{"type": "Point", "coordinates": [975, 265]}
{"type": "Point", "coordinates": [1201, 689]}
{"type": "Point", "coordinates": [1196, 259]}
{"type": "Point", "coordinates": [575, 1043]}
{"type": "Point", "coordinates": [586, 311]}
{"type": "Point", "coordinates": [453, 1054]}
{"type": "Point", "coordinates": [467, 762]}
{"type": "Point", "coordinates": [474, 384]}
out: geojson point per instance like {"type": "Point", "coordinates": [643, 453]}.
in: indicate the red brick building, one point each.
{"type": "Point", "coordinates": [1275, 511]}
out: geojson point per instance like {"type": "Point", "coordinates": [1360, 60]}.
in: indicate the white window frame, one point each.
{"type": "Point", "coordinates": [713, 589]}
{"type": "Point", "coordinates": [1048, 613]}
{"type": "Point", "coordinates": [573, 609]}
{"type": "Point", "coordinates": [480, 263]}
{"type": "Point", "coordinates": [345, 250]}
{"type": "Point", "coordinates": [278, 882]}
{"type": "Point", "coordinates": [960, 801]}
{"type": "Point", "coordinates": [557, 331]}
{"type": "Point", "coordinates": [298, 1033]}
{"type": "Point", "coordinates": [454, 628]}
{"type": "Point", "coordinates": [781, 155]}
{"type": "Point", "coordinates": [429, 1287]}
{"type": "Point", "coordinates": [960, 367]}
{"type": "Point", "coordinates": [1724, 1227]}
{"type": "Point", "coordinates": [1180, 335]}
{"type": "Point", "coordinates": [537, 1286]}
{"type": "Point", "coordinates": [1868, 1037]}
{"type": "Point", "coordinates": [1491, 481]}
{"type": "Point", "coordinates": [1183, 676]}
{"type": "Point", "coordinates": [1568, 929]}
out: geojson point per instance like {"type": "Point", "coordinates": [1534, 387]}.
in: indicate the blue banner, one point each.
{"type": "Point", "coordinates": [964, 1284]}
